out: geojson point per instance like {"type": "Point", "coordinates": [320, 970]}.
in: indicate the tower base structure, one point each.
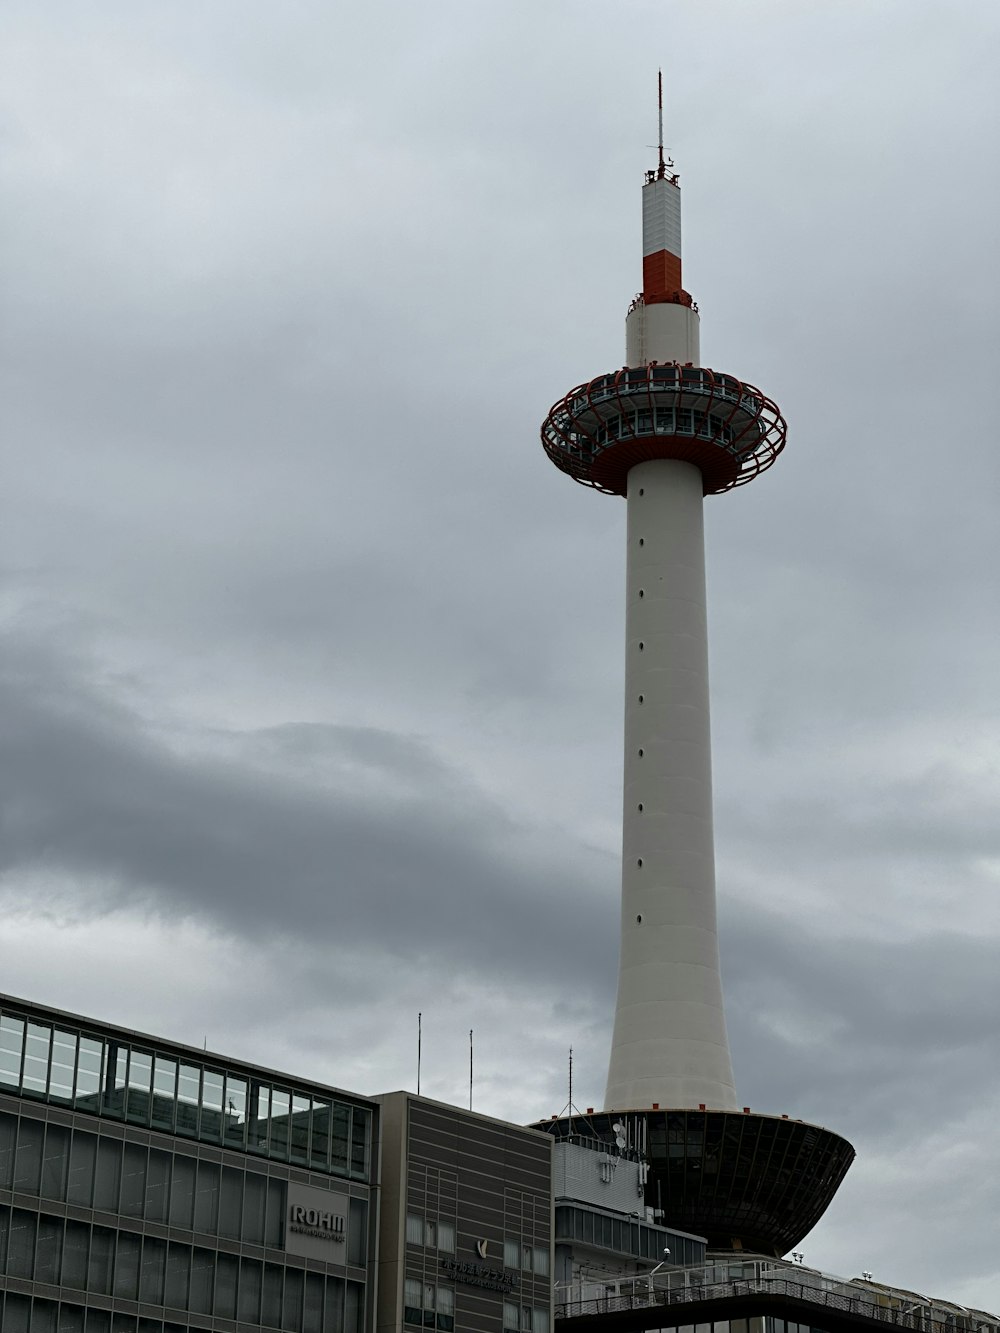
{"type": "Point", "coordinates": [757, 1183]}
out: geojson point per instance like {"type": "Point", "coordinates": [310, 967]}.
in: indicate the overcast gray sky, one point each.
{"type": "Point", "coordinates": [312, 666]}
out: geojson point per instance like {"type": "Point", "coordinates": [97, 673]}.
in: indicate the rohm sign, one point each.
{"type": "Point", "coordinates": [317, 1223]}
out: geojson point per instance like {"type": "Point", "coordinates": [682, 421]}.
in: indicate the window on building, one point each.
{"type": "Point", "coordinates": [63, 1063]}
{"type": "Point", "coordinates": [188, 1097]}
{"type": "Point", "coordinates": [236, 1112]}
{"type": "Point", "coordinates": [525, 1318]}
{"type": "Point", "coordinates": [360, 1140]}
{"type": "Point", "coordinates": [428, 1306]}
{"type": "Point", "coordinates": [137, 1092]}
{"type": "Point", "coordinates": [299, 1141]}
{"type": "Point", "coordinates": [532, 1258]}
{"type": "Point", "coordinates": [36, 1059]}
{"type": "Point", "coordinates": [89, 1063]}
{"type": "Point", "coordinates": [445, 1309]}
{"type": "Point", "coordinates": [164, 1093]}
{"type": "Point", "coordinates": [11, 1045]}
{"type": "Point", "coordinates": [430, 1232]}
{"type": "Point", "coordinates": [413, 1301]}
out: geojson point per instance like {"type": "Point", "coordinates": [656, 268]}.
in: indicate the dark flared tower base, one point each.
{"type": "Point", "coordinates": [751, 1182]}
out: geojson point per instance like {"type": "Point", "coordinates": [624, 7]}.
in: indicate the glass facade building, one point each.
{"type": "Point", "coordinates": [147, 1187]}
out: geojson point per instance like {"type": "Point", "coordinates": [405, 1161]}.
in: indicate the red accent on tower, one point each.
{"type": "Point", "coordinates": [661, 280]}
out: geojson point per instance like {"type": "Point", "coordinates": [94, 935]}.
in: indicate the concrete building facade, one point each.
{"type": "Point", "coordinates": [465, 1241]}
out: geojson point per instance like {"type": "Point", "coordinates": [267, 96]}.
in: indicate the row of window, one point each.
{"type": "Point", "coordinates": [665, 421]}
{"type": "Point", "coordinates": [427, 1305]}
{"type": "Point", "coordinates": [624, 1236]}
{"type": "Point", "coordinates": [21, 1314]}
{"type": "Point", "coordinates": [441, 1236]}
{"type": "Point", "coordinates": [96, 1171]}
{"type": "Point", "coordinates": [98, 1259]}
{"type": "Point", "coordinates": [524, 1318]}
{"type": "Point", "coordinates": [150, 1088]}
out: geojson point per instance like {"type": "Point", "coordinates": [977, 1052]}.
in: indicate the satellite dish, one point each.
{"type": "Point", "coordinates": [619, 1131]}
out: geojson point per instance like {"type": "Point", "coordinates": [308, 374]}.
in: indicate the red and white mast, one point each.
{"type": "Point", "coordinates": [662, 324]}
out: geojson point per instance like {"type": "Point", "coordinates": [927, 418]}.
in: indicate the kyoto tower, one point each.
{"type": "Point", "coordinates": [664, 431]}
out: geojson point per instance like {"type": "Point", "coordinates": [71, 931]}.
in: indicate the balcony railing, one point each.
{"type": "Point", "coordinates": [689, 1287]}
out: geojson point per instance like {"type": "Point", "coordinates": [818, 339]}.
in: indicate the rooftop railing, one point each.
{"type": "Point", "coordinates": [894, 1307]}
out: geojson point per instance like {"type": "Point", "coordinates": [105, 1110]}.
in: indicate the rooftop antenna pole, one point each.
{"type": "Point", "coordinates": [470, 1069]}
{"type": "Point", "coordinates": [662, 169]}
{"type": "Point", "coordinates": [571, 1089]}
{"type": "Point", "coordinates": [420, 1020]}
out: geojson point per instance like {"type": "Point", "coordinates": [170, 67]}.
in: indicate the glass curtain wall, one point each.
{"type": "Point", "coordinates": [108, 1077]}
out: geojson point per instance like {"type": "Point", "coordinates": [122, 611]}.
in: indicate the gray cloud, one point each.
{"type": "Point", "coordinates": [312, 663]}
{"type": "Point", "coordinates": [351, 832]}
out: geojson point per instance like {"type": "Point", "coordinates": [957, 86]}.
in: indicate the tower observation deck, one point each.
{"type": "Point", "coordinates": [664, 431]}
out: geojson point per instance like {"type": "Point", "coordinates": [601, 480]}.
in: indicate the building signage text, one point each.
{"type": "Point", "coordinates": [480, 1275]}
{"type": "Point", "coordinates": [315, 1222]}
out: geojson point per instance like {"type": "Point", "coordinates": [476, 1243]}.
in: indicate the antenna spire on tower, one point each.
{"type": "Point", "coordinates": [661, 170]}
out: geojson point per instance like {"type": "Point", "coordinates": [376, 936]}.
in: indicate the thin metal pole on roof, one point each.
{"type": "Point", "coordinates": [470, 1069]}
{"type": "Point", "coordinates": [420, 1019]}
{"type": "Point", "coordinates": [570, 1090]}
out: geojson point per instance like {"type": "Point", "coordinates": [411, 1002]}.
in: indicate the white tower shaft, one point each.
{"type": "Point", "coordinates": [669, 1045]}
